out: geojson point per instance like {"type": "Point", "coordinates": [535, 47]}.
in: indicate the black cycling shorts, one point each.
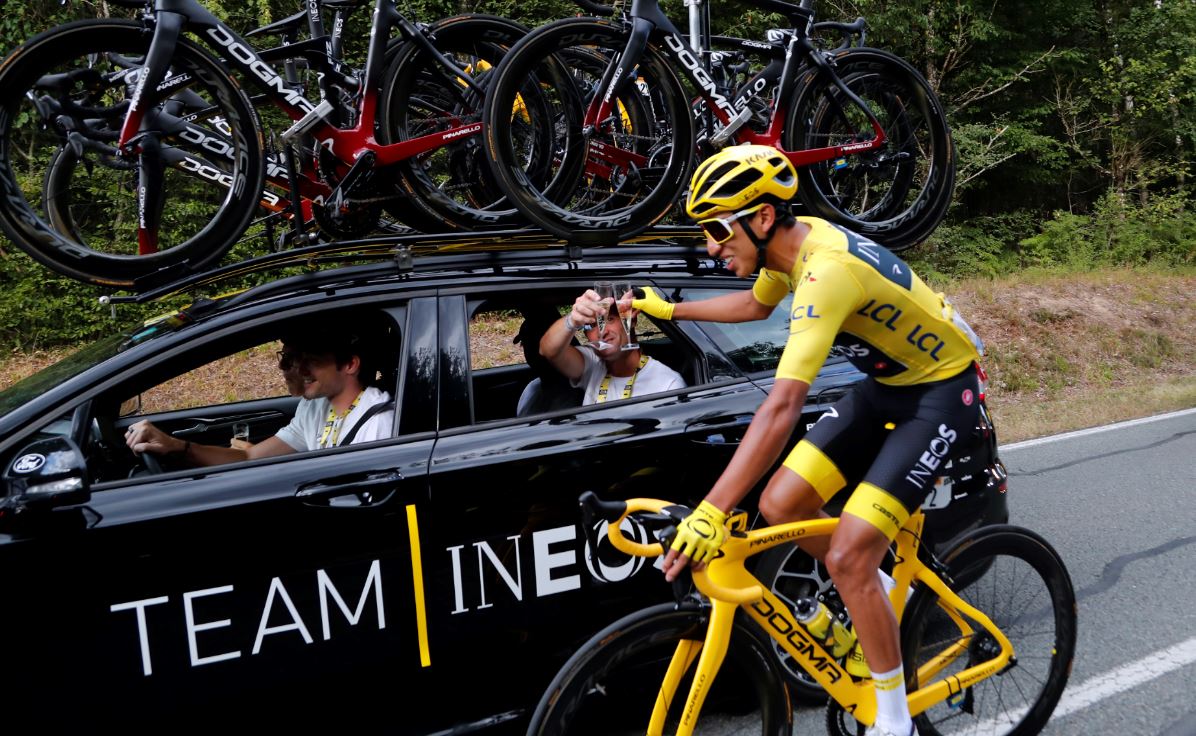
{"type": "Point", "coordinates": [896, 467]}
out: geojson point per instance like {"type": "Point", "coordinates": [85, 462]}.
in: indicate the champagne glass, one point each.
{"type": "Point", "coordinates": [606, 299]}
{"type": "Point", "coordinates": [240, 436]}
{"type": "Point", "coordinates": [626, 314]}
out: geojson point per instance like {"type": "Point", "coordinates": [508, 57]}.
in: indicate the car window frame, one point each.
{"type": "Point", "coordinates": [224, 329]}
{"type": "Point", "coordinates": [695, 344]}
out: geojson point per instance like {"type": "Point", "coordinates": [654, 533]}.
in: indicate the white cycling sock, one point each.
{"type": "Point", "coordinates": [892, 709]}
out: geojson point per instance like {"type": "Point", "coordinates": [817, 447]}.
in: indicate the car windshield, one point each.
{"type": "Point", "coordinates": [26, 390]}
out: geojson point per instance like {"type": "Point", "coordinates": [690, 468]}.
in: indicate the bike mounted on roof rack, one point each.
{"type": "Point", "coordinates": [399, 254]}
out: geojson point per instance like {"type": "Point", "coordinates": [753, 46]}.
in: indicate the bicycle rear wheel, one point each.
{"type": "Point", "coordinates": [451, 187]}
{"type": "Point", "coordinates": [75, 205]}
{"type": "Point", "coordinates": [610, 685]}
{"type": "Point", "coordinates": [606, 180]}
{"type": "Point", "coordinates": [1028, 594]}
{"type": "Point", "coordinates": [897, 194]}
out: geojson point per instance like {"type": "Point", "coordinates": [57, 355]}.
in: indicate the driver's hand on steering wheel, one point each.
{"type": "Point", "coordinates": [145, 437]}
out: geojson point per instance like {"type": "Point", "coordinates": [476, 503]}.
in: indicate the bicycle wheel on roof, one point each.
{"type": "Point", "coordinates": [611, 172]}
{"type": "Point", "coordinates": [896, 194]}
{"type": "Point", "coordinates": [74, 204]}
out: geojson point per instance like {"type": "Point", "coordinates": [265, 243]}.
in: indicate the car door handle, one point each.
{"type": "Point", "coordinates": [712, 431]}
{"type": "Point", "coordinates": [721, 422]}
{"type": "Point", "coordinates": [369, 489]}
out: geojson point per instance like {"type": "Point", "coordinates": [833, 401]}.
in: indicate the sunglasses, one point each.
{"type": "Point", "coordinates": [288, 359]}
{"type": "Point", "coordinates": [719, 229]}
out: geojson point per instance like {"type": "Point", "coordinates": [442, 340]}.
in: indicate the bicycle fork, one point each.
{"type": "Point", "coordinates": [710, 658]}
{"type": "Point", "coordinates": [167, 28]}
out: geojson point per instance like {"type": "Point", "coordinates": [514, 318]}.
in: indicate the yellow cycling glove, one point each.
{"type": "Point", "coordinates": [652, 304]}
{"type": "Point", "coordinates": [702, 533]}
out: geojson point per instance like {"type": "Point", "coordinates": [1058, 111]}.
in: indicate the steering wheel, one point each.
{"type": "Point", "coordinates": [150, 462]}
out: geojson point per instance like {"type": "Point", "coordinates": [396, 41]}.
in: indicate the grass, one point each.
{"type": "Point", "coordinates": [1065, 351]}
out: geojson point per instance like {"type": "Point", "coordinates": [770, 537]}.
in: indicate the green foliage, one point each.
{"type": "Point", "coordinates": [1118, 232]}
{"type": "Point", "coordinates": [1074, 123]}
{"type": "Point", "coordinates": [39, 309]}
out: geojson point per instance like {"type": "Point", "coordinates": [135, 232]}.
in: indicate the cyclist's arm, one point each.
{"type": "Point", "coordinates": [761, 446]}
{"type": "Point", "coordinates": [766, 436]}
{"type": "Point", "coordinates": [740, 306]}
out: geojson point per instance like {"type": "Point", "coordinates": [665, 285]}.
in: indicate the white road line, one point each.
{"type": "Point", "coordinates": [1095, 430]}
{"type": "Point", "coordinates": [1096, 689]}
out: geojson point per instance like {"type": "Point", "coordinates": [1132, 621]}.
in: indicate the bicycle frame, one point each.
{"type": "Point", "coordinates": [355, 145]}
{"type": "Point", "coordinates": [649, 24]}
{"type": "Point", "coordinates": [730, 586]}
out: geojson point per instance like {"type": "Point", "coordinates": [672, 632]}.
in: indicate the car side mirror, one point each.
{"type": "Point", "coordinates": [47, 474]}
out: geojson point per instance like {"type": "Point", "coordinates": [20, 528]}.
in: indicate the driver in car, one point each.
{"type": "Point", "coordinates": [338, 407]}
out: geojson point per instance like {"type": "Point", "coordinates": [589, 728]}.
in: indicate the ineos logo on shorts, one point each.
{"type": "Point", "coordinates": [929, 461]}
{"type": "Point", "coordinates": [967, 397]}
{"type": "Point", "coordinates": [28, 463]}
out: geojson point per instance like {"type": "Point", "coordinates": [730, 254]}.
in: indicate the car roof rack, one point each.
{"type": "Point", "coordinates": [411, 252]}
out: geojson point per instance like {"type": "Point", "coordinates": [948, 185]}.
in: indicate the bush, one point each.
{"type": "Point", "coordinates": [1118, 233]}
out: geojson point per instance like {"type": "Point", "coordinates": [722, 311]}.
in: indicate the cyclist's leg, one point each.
{"type": "Point", "coordinates": [817, 468]}
{"type": "Point", "coordinates": [930, 419]}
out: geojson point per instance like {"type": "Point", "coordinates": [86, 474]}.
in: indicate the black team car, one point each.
{"type": "Point", "coordinates": [428, 582]}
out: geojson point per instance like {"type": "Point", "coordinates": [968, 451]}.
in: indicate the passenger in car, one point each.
{"type": "Point", "coordinates": [607, 374]}
{"type": "Point", "coordinates": [549, 390]}
{"type": "Point", "coordinates": [335, 367]}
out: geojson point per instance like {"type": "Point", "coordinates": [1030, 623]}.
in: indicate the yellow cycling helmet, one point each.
{"type": "Point", "coordinates": [738, 176]}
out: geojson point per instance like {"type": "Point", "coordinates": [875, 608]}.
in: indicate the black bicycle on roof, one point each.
{"type": "Point", "coordinates": [170, 128]}
{"type": "Point", "coordinates": [865, 130]}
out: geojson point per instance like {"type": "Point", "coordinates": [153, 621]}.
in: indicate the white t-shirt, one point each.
{"type": "Point", "coordinates": [653, 378]}
{"type": "Point", "coordinates": [303, 433]}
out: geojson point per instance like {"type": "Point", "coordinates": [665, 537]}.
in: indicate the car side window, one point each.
{"type": "Point", "coordinates": [268, 383]}
{"type": "Point", "coordinates": [509, 376]}
{"type": "Point", "coordinates": [243, 376]}
{"type": "Point", "coordinates": [753, 346]}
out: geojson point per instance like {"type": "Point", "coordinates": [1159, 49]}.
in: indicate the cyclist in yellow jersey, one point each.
{"type": "Point", "coordinates": [854, 298]}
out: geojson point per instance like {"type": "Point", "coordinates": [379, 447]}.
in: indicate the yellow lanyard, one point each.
{"type": "Point", "coordinates": [604, 388]}
{"type": "Point", "coordinates": [336, 422]}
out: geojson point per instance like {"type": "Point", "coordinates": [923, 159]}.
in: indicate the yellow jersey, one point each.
{"type": "Point", "coordinates": [855, 298]}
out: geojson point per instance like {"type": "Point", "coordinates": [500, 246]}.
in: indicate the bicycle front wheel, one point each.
{"type": "Point", "coordinates": [75, 204]}
{"type": "Point", "coordinates": [898, 193]}
{"type": "Point", "coordinates": [609, 687]}
{"type": "Point", "coordinates": [1028, 594]}
{"type": "Point", "coordinates": [603, 179]}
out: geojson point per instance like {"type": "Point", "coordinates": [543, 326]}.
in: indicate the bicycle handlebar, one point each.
{"type": "Point", "coordinates": [613, 512]}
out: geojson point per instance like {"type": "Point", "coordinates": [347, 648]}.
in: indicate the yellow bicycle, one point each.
{"type": "Point", "coordinates": [992, 658]}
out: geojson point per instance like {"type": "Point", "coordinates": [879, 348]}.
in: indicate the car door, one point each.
{"type": "Point", "coordinates": [507, 552]}
{"type": "Point", "coordinates": [282, 590]}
